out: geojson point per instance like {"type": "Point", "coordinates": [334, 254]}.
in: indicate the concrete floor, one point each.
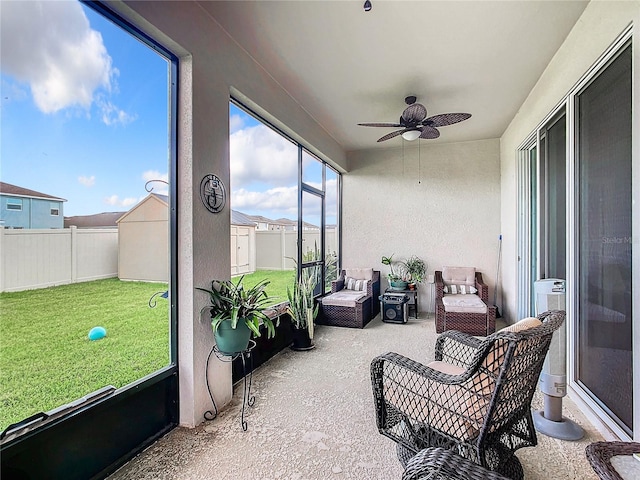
{"type": "Point", "coordinates": [313, 418]}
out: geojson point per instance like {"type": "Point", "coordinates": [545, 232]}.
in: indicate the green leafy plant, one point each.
{"type": "Point", "coordinates": [301, 303]}
{"type": "Point", "coordinates": [394, 274]}
{"type": "Point", "coordinates": [415, 268]}
{"type": "Point", "coordinates": [233, 302]}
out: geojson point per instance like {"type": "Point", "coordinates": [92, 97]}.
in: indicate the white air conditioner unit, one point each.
{"type": "Point", "coordinates": [550, 294]}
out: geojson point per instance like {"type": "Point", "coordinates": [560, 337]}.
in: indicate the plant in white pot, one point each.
{"type": "Point", "coordinates": [303, 312]}
{"type": "Point", "coordinates": [237, 312]}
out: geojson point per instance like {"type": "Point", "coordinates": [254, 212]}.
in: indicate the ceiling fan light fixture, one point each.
{"type": "Point", "coordinates": [411, 135]}
{"type": "Point", "coordinates": [367, 5]}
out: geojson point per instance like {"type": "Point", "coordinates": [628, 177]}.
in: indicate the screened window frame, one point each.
{"type": "Point", "coordinates": [305, 187]}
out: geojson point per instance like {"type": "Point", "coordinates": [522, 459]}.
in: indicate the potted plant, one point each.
{"type": "Point", "coordinates": [396, 280]}
{"type": "Point", "coordinates": [416, 270]}
{"type": "Point", "coordinates": [303, 312]}
{"type": "Point", "coordinates": [237, 312]}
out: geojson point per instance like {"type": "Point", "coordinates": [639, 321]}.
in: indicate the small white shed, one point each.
{"type": "Point", "coordinates": [143, 241]}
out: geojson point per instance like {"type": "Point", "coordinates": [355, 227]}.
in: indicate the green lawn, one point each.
{"type": "Point", "coordinates": [279, 280]}
{"type": "Point", "coordinates": [47, 360]}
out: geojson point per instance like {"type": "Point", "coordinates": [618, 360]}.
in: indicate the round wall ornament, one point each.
{"type": "Point", "coordinates": [213, 193]}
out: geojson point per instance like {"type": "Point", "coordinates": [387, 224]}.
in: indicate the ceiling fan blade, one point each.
{"type": "Point", "coordinates": [446, 119]}
{"type": "Point", "coordinates": [429, 133]}
{"type": "Point", "coordinates": [388, 125]}
{"type": "Point", "coordinates": [392, 135]}
{"type": "Point", "coordinates": [414, 113]}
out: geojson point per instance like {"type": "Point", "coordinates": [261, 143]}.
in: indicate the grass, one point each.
{"type": "Point", "coordinates": [279, 281]}
{"type": "Point", "coordinates": [47, 360]}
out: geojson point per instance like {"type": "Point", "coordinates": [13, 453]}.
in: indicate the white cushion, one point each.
{"type": "Point", "coordinates": [464, 304]}
{"type": "Point", "coordinates": [344, 298]}
{"type": "Point", "coordinates": [459, 275]}
{"type": "Point", "coordinates": [522, 325]}
{"type": "Point", "coordinates": [459, 289]}
{"type": "Point", "coordinates": [355, 284]}
{"type": "Point", "coordinates": [359, 273]}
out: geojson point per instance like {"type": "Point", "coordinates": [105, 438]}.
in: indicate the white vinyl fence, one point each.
{"type": "Point", "coordinates": [38, 258]}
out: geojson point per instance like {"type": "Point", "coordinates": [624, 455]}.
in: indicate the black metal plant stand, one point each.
{"type": "Point", "coordinates": [247, 398]}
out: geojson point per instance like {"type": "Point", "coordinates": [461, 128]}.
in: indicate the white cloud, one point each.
{"type": "Point", "coordinates": [279, 201]}
{"type": "Point", "coordinates": [110, 114]}
{"type": "Point", "coordinates": [155, 175]}
{"type": "Point", "coordinates": [235, 123]}
{"type": "Point", "coordinates": [116, 201]}
{"type": "Point", "coordinates": [112, 200]}
{"type": "Point", "coordinates": [156, 187]}
{"type": "Point", "coordinates": [258, 154]}
{"type": "Point", "coordinates": [51, 46]}
{"type": "Point", "coordinates": [87, 181]}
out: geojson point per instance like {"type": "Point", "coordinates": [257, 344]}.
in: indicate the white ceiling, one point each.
{"type": "Point", "coordinates": [345, 66]}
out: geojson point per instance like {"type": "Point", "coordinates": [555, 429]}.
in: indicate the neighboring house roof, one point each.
{"type": "Point", "coordinates": [98, 220]}
{"type": "Point", "coordinates": [238, 218]}
{"type": "Point", "coordinates": [15, 191]}
{"type": "Point", "coordinates": [260, 219]}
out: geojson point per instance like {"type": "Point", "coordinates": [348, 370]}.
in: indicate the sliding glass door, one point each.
{"type": "Point", "coordinates": [604, 209]}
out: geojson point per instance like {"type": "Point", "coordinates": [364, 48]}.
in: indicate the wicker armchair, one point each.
{"type": "Point", "coordinates": [343, 308]}
{"type": "Point", "coordinates": [442, 464]}
{"type": "Point", "coordinates": [469, 313]}
{"type": "Point", "coordinates": [475, 399]}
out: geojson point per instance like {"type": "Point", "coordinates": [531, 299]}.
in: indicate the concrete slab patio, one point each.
{"type": "Point", "coordinates": [313, 418]}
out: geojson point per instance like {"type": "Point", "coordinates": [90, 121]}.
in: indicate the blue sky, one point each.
{"type": "Point", "coordinates": [85, 117]}
{"type": "Point", "coordinates": [84, 107]}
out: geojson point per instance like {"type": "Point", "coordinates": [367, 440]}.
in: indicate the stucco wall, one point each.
{"type": "Point", "coordinates": [441, 204]}
{"type": "Point", "coordinates": [600, 24]}
{"type": "Point", "coordinates": [211, 67]}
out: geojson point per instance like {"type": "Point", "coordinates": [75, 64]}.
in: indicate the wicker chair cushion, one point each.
{"type": "Point", "coordinates": [459, 275]}
{"type": "Point", "coordinates": [495, 357]}
{"type": "Point", "coordinates": [459, 289]}
{"type": "Point", "coordinates": [359, 273]}
{"type": "Point", "coordinates": [344, 298]}
{"type": "Point", "coordinates": [464, 304]}
{"type": "Point", "coordinates": [351, 283]}
{"type": "Point", "coordinates": [438, 404]}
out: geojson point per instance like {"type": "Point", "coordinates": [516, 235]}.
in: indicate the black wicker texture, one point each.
{"type": "Point", "coordinates": [472, 323]}
{"type": "Point", "coordinates": [483, 413]}
{"type": "Point", "coordinates": [442, 464]}
{"type": "Point", "coordinates": [353, 317]}
{"type": "Point", "coordinates": [599, 455]}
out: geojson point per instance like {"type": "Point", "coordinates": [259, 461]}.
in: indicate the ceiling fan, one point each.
{"type": "Point", "coordinates": [415, 124]}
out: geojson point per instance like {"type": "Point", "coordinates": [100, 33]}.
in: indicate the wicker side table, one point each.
{"type": "Point", "coordinates": [442, 464]}
{"type": "Point", "coordinates": [601, 454]}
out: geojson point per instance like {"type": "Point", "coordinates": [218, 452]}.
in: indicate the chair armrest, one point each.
{"type": "Point", "coordinates": [337, 285]}
{"type": "Point", "coordinates": [458, 348]}
{"type": "Point", "coordinates": [439, 284]}
{"type": "Point", "coordinates": [373, 285]}
{"type": "Point", "coordinates": [483, 288]}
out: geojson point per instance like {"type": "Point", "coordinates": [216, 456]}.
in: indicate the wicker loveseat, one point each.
{"type": "Point", "coordinates": [462, 302]}
{"type": "Point", "coordinates": [474, 399]}
{"type": "Point", "coordinates": [353, 301]}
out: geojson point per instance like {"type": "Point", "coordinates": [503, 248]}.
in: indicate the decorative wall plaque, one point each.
{"type": "Point", "coordinates": [213, 193]}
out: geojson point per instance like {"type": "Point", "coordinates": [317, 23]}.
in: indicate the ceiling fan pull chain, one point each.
{"type": "Point", "coordinates": [419, 165]}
